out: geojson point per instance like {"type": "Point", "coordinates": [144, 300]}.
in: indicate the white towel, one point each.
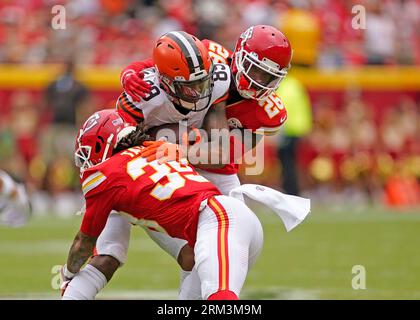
{"type": "Point", "coordinates": [291, 209]}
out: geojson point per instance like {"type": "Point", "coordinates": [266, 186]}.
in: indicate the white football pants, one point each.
{"type": "Point", "coordinates": [229, 240]}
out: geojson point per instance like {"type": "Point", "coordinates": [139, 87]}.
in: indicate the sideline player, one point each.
{"type": "Point", "coordinates": [225, 234]}
{"type": "Point", "coordinates": [15, 207]}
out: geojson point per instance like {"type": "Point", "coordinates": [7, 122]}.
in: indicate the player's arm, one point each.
{"type": "Point", "coordinates": [248, 141]}
{"type": "Point", "coordinates": [204, 151]}
{"type": "Point", "coordinates": [131, 79]}
{"type": "Point", "coordinates": [100, 201]}
{"type": "Point", "coordinates": [215, 119]}
{"type": "Point", "coordinates": [253, 140]}
{"type": "Point", "coordinates": [80, 251]}
{"type": "Point", "coordinates": [101, 195]}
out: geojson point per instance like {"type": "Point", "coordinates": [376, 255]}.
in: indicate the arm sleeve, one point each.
{"type": "Point", "coordinates": [98, 207]}
{"type": "Point", "coordinates": [137, 67]}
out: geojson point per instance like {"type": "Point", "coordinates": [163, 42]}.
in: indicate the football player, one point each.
{"type": "Point", "coordinates": [15, 207]}
{"type": "Point", "coordinates": [170, 197]}
{"type": "Point", "coordinates": [181, 85]}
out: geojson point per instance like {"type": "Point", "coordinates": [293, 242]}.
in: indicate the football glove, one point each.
{"type": "Point", "coordinates": [135, 86]}
{"type": "Point", "coordinates": [66, 276]}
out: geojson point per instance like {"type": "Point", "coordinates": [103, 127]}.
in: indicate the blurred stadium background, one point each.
{"type": "Point", "coordinates": [358, 149]}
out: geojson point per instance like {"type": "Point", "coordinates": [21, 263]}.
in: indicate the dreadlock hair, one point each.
{"type": "Point", "coordinates": [133, 139]}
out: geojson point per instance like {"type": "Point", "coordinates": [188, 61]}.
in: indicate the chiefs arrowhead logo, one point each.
{"type": "Point", "coordinates": [234, 123]}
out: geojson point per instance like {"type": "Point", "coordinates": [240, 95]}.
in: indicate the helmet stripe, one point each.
{"type": "Point", "coordinates": [189, 49]}
{"type": "Point", "coordinates": [196, 50]}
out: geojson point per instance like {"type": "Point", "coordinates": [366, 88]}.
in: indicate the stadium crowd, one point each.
{"type": "Point", "coordinates": [117, 32]}
{"type": "Point", "coordinates": [354, 150]}
{"type": "Point", "coordinates": [358, 153]}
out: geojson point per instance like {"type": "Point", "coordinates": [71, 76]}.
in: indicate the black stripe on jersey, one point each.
{"type": "Point", "coordinates": [128, 107]}
{"type": "Point", "coordinates": [184, 51]}
{"type": "Point", "coordinates": [196, 50]}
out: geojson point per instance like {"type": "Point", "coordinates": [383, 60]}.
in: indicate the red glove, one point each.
{"type": "Point", "coordinates": [134, 85]}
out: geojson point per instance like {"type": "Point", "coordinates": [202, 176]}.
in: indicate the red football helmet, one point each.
{"type": "Point", "coordinates": [261, 60]}
{"type": "Point", "coordinates": [99, 136]}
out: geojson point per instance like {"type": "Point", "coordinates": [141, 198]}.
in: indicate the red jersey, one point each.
{"type": "Point", "coordinates": [163, 197]}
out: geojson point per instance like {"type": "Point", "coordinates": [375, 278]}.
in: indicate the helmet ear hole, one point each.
{"type": "Point", "coordinates": [98, 145]}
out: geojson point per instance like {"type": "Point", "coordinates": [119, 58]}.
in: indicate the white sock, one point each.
{"type": "Point", "coordinates": [85, 285]}
{"type": "Point", "coordinates": [183, 274]}
{"type": "Point", "coordinates": [190, 288]}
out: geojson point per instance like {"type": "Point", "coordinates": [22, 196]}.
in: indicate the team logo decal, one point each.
{"type": "Point", "coordinates": [234, 123]}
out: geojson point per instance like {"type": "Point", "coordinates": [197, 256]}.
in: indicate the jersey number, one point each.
{"type": "Point", "coordinates": [176, 180]}
{"type": "Point", "coordinates": [154, 92]}
{"type": "Point", "coordinates": [272, 105]}
{"type": "Point", "coordinates": [220, 72]}
{"type": "Point", "coordinates": [218, 53]}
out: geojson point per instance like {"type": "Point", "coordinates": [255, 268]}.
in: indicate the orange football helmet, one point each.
{"type": "Point", "coordinates": [185, 69]}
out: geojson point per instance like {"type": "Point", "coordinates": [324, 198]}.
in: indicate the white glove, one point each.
{"type": "Point", "coordinates": [66, 276]}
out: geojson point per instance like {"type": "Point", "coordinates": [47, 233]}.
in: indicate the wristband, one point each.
{"type": "Point", "coordinates": [67, 273]}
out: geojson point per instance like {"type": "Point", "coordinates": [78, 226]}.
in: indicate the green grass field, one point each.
{"type": "Point", "coordinates": [314, 261]}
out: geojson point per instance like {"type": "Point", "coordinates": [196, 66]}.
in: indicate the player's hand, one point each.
{"type": "Point", "coordinates": [162, 150]}
{"type": "Point", "coordinates": [66, 276]}
{"type": "Point", "coordinates": [135, 86]}
{"type": "Point", "coordinates": [166, 151]}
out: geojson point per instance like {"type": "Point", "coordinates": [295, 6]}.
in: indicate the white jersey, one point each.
{"type": "Point", "coordinates": [15, 207]}
{"type": "Point", "coordinates": [156, 109]}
